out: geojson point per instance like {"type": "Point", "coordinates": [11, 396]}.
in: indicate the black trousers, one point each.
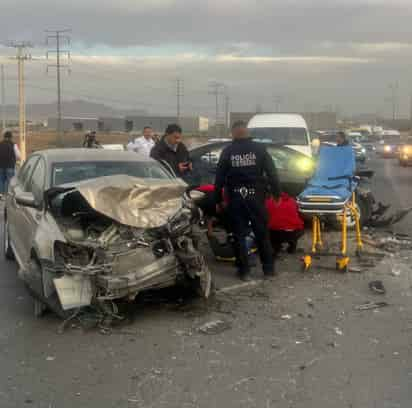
{"type": "Point", "coordinates": [278, 238]}
{"type": "Point", "coordinates": [243, 212]}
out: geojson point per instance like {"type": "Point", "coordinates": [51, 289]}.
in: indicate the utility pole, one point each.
{"type": "Point", "coordinates": [227, 115]}
{"type": "Point", "coordinates": [410, 110]}
{"type": "Point", "coordinates": [179, 95]}
{"type": "Point", "coordinates": [277, 99]}
{"type": "Point", "coordinates": [21, 57]}
{"type": "Point", "coordinates": [215, 89]}
{"type": "Point", "coordinates": [394, 99]}
{"type": "Point", "coordinates": [58, 36]}
{"type": "Point", "coordinates": [3, 99]}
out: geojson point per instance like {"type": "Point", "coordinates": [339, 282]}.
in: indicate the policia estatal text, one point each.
{"type": "Point", "coordinates": [244, 172]}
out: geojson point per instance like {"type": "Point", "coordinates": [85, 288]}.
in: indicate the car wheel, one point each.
{"type": "Point", "coordinates": [364, 204]}
{"type": "Point", "coordinates": [8, 251]}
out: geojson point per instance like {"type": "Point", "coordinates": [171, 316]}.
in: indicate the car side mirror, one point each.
{"type": "Point", "coordinates": [26, 200]}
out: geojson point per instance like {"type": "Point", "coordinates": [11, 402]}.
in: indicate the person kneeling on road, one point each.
{"type": "Point", "coordinates": [243, 170]}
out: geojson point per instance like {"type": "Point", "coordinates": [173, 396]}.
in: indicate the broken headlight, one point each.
{"type": "Point", "coordinates": [72, 254]}
{"type": "Point", "coordinates": [180, 222]}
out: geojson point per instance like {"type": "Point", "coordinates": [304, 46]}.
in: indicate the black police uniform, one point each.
{"type": "Point", "coordinates": [244, 170]}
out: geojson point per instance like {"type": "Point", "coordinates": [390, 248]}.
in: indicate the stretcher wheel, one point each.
{"type": "Point", "coordinates": [342, 264]}
{"type": "Point", "coordinates": [306, 263]}
{"type": "Point", "coordinates": [343, 269]}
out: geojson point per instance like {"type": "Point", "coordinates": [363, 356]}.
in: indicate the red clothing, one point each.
{"type": "Point", "coordinates": [210, 188]}
{"type": "Point", "coordinates": [284, 216]}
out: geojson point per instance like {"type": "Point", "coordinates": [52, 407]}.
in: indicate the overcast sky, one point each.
{"type": "Point", "coordinates": [308, 54]}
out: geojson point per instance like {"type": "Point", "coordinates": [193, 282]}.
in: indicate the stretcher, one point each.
{"type": "Point", "coordinates": [332, 191]}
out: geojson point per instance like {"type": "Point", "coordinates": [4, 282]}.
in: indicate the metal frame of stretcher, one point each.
{"type": "Point", "coordinates": [322, 204]}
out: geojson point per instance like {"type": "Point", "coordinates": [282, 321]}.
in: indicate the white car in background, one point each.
{"type": "Point", "coordinates": [288, 130]}
{"type": "Point", "coordinates": [117, 147]}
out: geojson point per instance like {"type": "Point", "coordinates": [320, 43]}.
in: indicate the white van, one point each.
{"type": "Point", "coordinates": [289, 130]}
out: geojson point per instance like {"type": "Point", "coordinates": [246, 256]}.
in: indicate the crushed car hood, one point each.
{"type": "Point", "coordinates": [136, 202]}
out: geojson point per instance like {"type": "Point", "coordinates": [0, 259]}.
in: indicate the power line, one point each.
{"type": "Point", "coordinates": [21, 57]}
{"type": "Point", "coordinates": [58, 36]}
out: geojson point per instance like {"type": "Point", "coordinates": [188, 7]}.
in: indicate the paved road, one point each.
{"type": "Point", "coordinates": [296, 342]}
{"type": "Point", "coordinates": [393, 184]}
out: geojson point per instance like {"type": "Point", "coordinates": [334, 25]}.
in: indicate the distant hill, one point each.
{"type": "Point", "coordinates": [75, 108]}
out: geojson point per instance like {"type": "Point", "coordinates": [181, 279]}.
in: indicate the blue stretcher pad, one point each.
{"type": "Point", "coordinates": [332, 185]}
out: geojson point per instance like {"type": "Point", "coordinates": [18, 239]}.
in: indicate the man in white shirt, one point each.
{"type": "Point", "coordinates": [143, 144]}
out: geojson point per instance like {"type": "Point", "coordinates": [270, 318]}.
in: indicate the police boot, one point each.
{"type": "Point", "coordinates": [244, 276]}
{"type": "Point", "coordinates": [269, 272]}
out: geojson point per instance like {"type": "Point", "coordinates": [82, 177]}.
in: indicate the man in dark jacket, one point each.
{"type": "Point", "coordinates": [171, 150]}
{"type": "Point", "coordinates": [9, 154]}
{"type": "Point", "coordinates": [244, 170]}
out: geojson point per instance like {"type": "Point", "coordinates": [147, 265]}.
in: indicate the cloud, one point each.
{"type": "Point", "coordinates": [332, 51]}
{"type": "Point", "coordinates": [282, 24]}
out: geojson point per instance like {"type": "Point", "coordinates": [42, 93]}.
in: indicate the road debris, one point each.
{"type": "Point", "coordinates": [309, 364]}
{"type": "Point", "coordinates": [242, 381]}
{"type": "Point", "coordinates": [338, 331]}
{"type": "Point", "coordinates": [378, 221]}
{"type": "Point", "coordinates": [214, 327]}
{"type": "Point", "coordinates": [377, 287]}
{"type": "Point", "coordinates": [286, 317]}
{"type": "Point", "coordinates": [239, 286]}
{"type": "Point", "coordinates": [371, 305]}
{"type": "Point", "coordinates": [50, 358]}
{"type": "Point", "coordinates": [355, 269]}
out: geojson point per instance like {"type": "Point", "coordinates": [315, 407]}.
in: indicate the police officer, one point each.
{"type": "Point", "coordinates": [244, 170]}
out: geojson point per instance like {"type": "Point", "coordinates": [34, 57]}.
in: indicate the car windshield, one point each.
{"type": "Point", "coordinates": [73, 172]}
{"type": "Point", "coordinates": [282, 158]}
{"type": "Point", "coordinates": [284, 136]}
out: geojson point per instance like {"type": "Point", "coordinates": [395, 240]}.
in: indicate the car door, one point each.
{"type": "Point", "coordinates": [293, 168]}
{"type": "Point", "coordinates": [13, 209]}
{"type": "Point", "coordinates": [30, 217]}
{"type": "Point", "coordinates": [204, 160]}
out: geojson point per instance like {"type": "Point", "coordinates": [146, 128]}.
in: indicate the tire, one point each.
{"type": "Point", "coordinates": [364, 205]}
{"type": "Point", "coordinates": [366, 202]}
{"type": "Point", "coordinates": [7, 249]}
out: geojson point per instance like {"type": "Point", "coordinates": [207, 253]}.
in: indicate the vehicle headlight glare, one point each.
{"type": "Point", "coordinates": [305, 164]}
{"type": "Point", "coordinates": [388, 148]}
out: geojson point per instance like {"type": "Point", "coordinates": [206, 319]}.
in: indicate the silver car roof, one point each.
{"type": "Point", "coordinates": [80, 155]}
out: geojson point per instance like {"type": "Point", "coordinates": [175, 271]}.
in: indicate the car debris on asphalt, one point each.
{"type": "Point", "coordinates": [371, 305]}
{"type": "Point", "coordinates": [377, 287]}
{"type": "Point", "coordinates": [214, 327]}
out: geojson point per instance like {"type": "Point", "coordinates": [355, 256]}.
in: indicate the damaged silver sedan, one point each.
{"type": "Point", "coordinates": [88, 227]}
